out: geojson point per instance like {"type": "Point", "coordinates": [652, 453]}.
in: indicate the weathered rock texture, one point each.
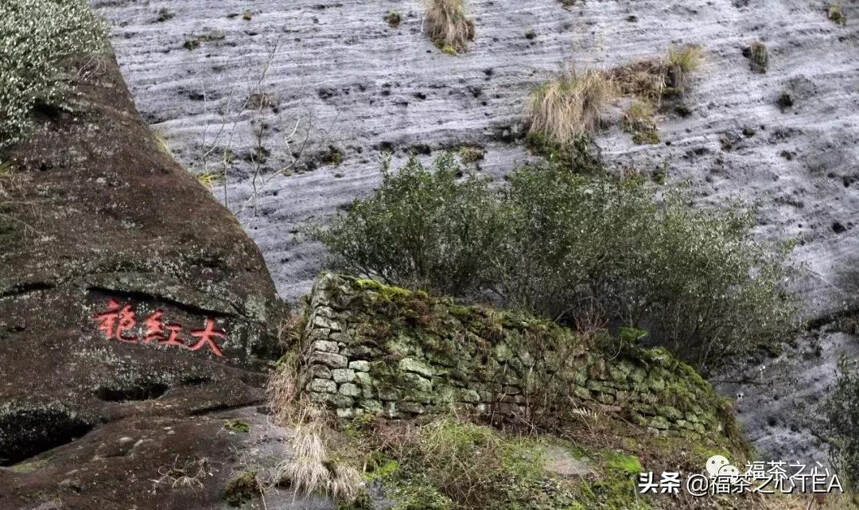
{"type": "Point", "coordinates": [358, 85]}
{"type": "Point", "coordinates": [385, 350]}
{"type": "Point", "coordinates": [93, 212]}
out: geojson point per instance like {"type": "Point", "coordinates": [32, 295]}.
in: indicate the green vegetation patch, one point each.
{"type": "Point", "coordinates": [581, 250]}
{"type": "Point", "coordinates": [842, 409]}
{"type": "Point", "coordinates": [241, 489]}
{"type": "Point", "coordinates": [37, 40]}
{"type": "Point", "coordinates": [237, 426]}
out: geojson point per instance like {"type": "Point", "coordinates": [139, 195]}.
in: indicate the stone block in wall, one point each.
{"type": "Point", "coordinates": [360, 365]}
{"type": "Point", "coordinates": [329, 359]}
{"type": "Point", "coordinates": [343, 375]}
{"type": "Point", "coordinates": [323, 386]}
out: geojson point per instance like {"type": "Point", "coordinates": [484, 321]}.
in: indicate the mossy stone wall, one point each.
{"type": "Point", "coordinates": [371, 348]}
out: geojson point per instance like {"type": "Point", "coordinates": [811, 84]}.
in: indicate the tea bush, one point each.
{"type": "Point", "coordinates": [36, 38]}
{"type": "Point", "coordinates": [579, 248]}
{"type": "Point", "coordinates": [422, 228]}
{"type": "Point", "coordinates": [576, 249]}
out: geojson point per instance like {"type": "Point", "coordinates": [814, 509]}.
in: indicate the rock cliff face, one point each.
{"type": "Point", "coordinates": [342, 87]}
{"type": "Point", "coordinates": [135, 318]}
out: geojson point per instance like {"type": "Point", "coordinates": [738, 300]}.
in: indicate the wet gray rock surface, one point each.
{"type": "Point", "coordinates": [336, 81]}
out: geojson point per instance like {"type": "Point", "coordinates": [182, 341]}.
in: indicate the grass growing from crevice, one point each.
{"type": "Point", "coordinates": [682, 61]}
{"type": "Point", "coordinates": [758, 57]}
{"type": "Point", "coordinates": [569, 107]}
{"type": "Point", "coordinates": [448, 26]}
{"type": "Point", "coordinates": [471, 154]}
{"type": "Point", "coordinates": [639, 121]}
{"type": "Point", "coordinates": [393, 18]}
{"type": "Point", "coordinates": [563, 111]}
{"type": "Point", "coordinates": [653, 80]}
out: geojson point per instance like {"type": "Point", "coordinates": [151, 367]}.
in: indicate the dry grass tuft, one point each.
{"type": "Point", "coordinates": [305, 471]}
{"type": "Point", "coordinates": [308, 468]}
{"type": "Point", "coordinates": [345, 483]}
{"type": "Point", "coordinates": [566, 108]}
{"type": "Point", "coordinates": [287, 405]}
{"type": "Point", "coordinates": [682, 61]}
{"type": "Point", "coordinates": [447, 25]}
{"type": "Point", "coordinates": [187, 474]}
{"type": "Point", "coordinates": [644, 79]}
{"type": "Point", "coordinates": [653, 79]}
{"type": "Point", "coordinates": [686, 58]}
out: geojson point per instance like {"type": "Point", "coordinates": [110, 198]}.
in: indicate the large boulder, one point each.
{"type": "Point", "coordinates": [136, 318]}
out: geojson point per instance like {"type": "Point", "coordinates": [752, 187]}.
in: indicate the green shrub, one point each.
{"type": "Point", "coordinates": [422, 228]}
{"type": "Point", "coordinates": [695, 278]}
{"type": "Point", "coordinates": [842, 410]}
{"type": "Point", "coordinates": [574, 248]}
{"type": "Point", "coordinates": [36, 39]}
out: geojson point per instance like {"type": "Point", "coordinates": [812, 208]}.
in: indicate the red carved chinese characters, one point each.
{"type": "Point", "coordinates": [207, 337]}
{"type": "Point", "coordinates": [119, 321]}
{"type": "Point", "coordinates": [154, 327]}
{"type": "Point", "coordinates": [127, 320]}
{"type": "Point", "coordinates": [107, 320]}
{"type": "Point", "coordinates": [173, 339]}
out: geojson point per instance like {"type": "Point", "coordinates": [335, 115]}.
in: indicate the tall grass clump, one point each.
{"type": "Point", "coordinates": [572, 247]}
{"type": "Point", "coordinates": [309, 466]}
{"type": "Point", "coordinates": [37, 38]}
{"type": "Point", "coordinates": [568, 107]}
{"type": "Point", "coordinates": [448, 26]}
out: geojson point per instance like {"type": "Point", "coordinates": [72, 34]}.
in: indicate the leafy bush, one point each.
{"type": "Point", "coordinates": [36, 38]}
{"type": "Point", "coordinates": [572, 248]}
{"type": "Point", "coordinates": [582, 247]}
{"type": "Point", "coordinates": [843, 419]}
{"type": "Point", "coordinates": [421, 229]}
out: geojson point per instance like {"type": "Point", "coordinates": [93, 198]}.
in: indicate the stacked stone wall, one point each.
{"type": "Point", "coordinates": [370, 348]}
